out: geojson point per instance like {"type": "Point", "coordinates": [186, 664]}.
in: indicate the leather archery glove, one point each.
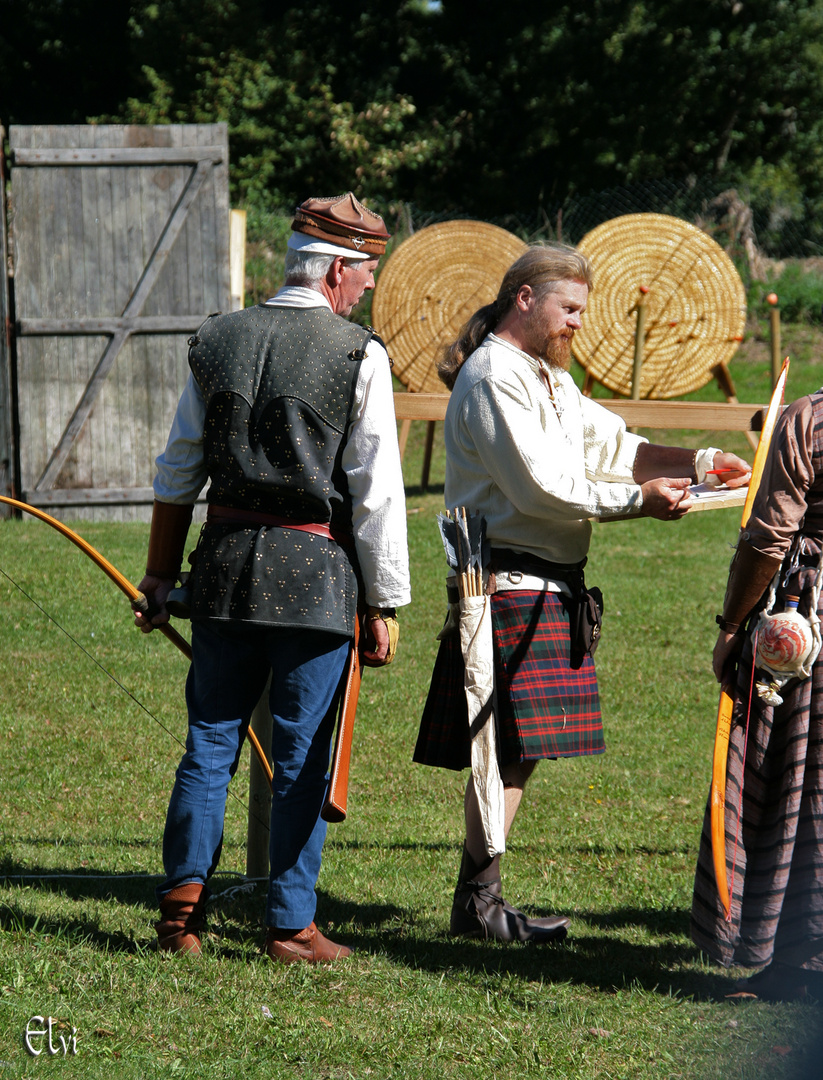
{"type": "Point", "coordinates": [167, 539]}
{"type": "Point", "coordinates": [388, 617]}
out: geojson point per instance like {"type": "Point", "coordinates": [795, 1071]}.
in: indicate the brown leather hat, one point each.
{"type": "Point", "coordinates": [343, 221]}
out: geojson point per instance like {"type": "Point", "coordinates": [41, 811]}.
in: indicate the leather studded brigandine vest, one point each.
{"type": "Point", "coordinates": [278, 385]}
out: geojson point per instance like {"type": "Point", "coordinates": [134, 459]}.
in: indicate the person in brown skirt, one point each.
{"type": "Point", "coordinates": [539, 461]}
{"type": "Point", "coordinates": [774, 783]}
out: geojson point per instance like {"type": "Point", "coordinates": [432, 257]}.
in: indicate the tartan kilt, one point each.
{"type": "Point", "coordinates": [545, 708]}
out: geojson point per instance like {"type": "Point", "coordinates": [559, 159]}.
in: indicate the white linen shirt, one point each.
{"type": "Point", "coordinates": [538, 464]}
{"type": "Point", "coordinates": [370, 460]}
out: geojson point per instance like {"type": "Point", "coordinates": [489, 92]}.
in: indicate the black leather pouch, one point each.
{"type": "Point", "coordinates": [587, 622]}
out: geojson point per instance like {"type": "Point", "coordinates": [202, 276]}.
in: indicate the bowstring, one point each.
{"type": "Point", "coordinates": [114, 679]}
{"type": "Point", "coordinates": [742, 774]}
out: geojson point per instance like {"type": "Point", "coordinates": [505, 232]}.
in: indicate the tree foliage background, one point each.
{"type": "Point", "coordinates": [453, 107]}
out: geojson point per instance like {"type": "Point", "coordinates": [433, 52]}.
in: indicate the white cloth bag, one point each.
{"type": "Point", "coordinates": [478, 655]}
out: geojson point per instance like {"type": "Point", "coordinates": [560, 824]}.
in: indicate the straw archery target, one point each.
{"type": "Point", "coordinates": [431, 284]}
{"type": "Point", "coordinates": [695, 305]}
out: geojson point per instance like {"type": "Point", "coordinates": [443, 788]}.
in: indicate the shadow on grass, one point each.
{"type": "Point", "coordinates": [235, 910]}
{"type": "Point", "coordinates": [592, 957]}
{"type": "Point", "coordinates": [78, 883]}
{"type": "Point", "coordinates": [598, 962]}
{"type": "Point", "coordinates": [533, 850]}
{"type": "Point", "coordinates": [597, 958]}
{"type": "Point", "coordinates": [597, 954]}
{"type": "Point", "coordinates": [13, 919]}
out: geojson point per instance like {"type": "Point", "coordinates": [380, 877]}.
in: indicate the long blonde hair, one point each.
{"type": "Point", "coordinates": [543, 267]}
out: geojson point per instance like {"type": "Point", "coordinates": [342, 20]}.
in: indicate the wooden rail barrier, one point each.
{"type": "Point", "coordinates": [701, 415]}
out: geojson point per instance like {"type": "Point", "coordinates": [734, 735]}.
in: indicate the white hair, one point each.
{"type": "Point", "coordinates": [310, 267]}
{"type": "Point", "coordinates": [306, 267]}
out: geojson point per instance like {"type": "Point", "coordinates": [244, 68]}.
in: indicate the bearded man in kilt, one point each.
{"type": "Point", "coordinates": [539, 461]}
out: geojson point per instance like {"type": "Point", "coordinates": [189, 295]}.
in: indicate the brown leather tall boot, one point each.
{"type": "Point", "coordinates": [479, 910]}
{"type": "Point", "coordinates": [183, 912]}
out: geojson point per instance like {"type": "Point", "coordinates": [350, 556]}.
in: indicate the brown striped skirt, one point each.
{"type": "Point", "coordinates": [774, 858]}
{"type": "Point", "coordinates": [545, 708]}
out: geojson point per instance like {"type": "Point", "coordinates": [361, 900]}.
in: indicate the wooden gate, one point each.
{"type": "Point", "coordinates": [6, 413]}
{"type": "Point", "coordinates": [120, 248]}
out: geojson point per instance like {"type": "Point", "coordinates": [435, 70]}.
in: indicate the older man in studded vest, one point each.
{"type": "Point", "coordinates": [288, 413]}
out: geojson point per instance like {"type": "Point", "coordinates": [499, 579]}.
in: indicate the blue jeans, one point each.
{"type": "Point", "coordinates": [230, 665]}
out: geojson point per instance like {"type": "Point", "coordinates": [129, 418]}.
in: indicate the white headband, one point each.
{"type": "Point", "coordinates": [301, 242]}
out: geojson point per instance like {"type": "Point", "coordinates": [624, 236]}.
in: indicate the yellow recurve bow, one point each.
{"type": "Point", "coordinates": [123, 583]}
{"type": "Point", "coordinates": [724, 709]}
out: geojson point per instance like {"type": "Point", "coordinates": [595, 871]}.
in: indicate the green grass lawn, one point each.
{"type": "Point", "coordinates": [90, 737]}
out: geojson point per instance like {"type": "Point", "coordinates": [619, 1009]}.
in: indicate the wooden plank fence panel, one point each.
{"type": "Point", "coordinates": [158, 389]}
{"type": "Point", "coordinates": [86, 255]}
{"type": "Point", "coordinates": [7, 446]}
{"type": "Point", "coordinates": [36, 398]}
{"type": "Point", "coordinates": [121, 249]}
{"type": "Point", "coordinates": [120, 199]}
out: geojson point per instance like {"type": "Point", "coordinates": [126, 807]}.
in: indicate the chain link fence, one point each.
{"type": "Point", "coordinates": [754, 232]}
{"type": "Point", "coordinates": [759, 234]}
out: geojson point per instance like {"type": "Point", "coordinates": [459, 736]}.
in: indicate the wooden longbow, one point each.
{"type": "Point", "coordinates": [138, 599]}
{"type": "Point", "coordinates": [724, 709]}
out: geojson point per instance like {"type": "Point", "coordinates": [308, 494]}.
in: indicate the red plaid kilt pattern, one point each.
{"type": "Point", "coordinates": [545, 708]}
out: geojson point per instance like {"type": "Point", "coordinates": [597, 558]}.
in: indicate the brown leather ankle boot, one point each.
{"type": "Point", "coordinates": [308, 945]}
{"type": "Point", "coordinates": [183, 912]}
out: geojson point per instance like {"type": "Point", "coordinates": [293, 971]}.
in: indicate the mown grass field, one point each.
{"type": "Point", "coordinates": [90, 740]}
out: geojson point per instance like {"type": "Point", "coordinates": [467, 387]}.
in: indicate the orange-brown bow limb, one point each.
{"type": "Point", "coordinates": [335, 806]}
{"type": "Point", "coordinates": [123, 583]}
{"type": "Point", "coordinates": [724, 711]}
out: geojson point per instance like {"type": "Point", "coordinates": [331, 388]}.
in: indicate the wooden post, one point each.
{"type": "Point", "coordinates": [774, 334]}
{"type": "Point", "coordinates": [257, 835]}
{"type": "Point", "coordinates": [639, 339]}
{"type": "Point", "coordinates": [427, 456]}
{"type": "Point", "coordinates": [237, 258]}
{"type": "Point", "coordinates": [724, 381]}
{"type": "Point", "coordinates": [403, 437]}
